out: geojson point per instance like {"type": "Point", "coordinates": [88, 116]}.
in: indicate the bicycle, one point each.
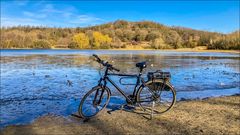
{"type": "Point", "coordinates": [156, 94]}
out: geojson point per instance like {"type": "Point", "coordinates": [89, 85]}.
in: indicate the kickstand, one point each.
{"type": "Point", "coordinates": [153, 104]}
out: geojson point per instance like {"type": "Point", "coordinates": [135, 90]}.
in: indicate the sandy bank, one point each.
{"type": "Point", "coordinates": [210, 116]}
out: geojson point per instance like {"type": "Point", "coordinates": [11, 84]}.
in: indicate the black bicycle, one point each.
{"type": "Point", "coordinates": [156, 94]}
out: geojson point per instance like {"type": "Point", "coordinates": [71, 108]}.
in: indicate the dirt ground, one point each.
{"type": "Point", "coordinates": [209, 116]}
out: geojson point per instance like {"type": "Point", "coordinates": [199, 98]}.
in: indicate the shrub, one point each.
{"type": "Point", "coordinates": [41, 44]}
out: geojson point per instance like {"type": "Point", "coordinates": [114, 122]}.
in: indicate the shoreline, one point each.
{"type": "Point", "coordinates": [217, 115]}
{"type": "Point", "coordinates": [137, 49]}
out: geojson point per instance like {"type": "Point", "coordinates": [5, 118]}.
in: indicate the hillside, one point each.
{"type": "Point", "coordinates": [118, 34]}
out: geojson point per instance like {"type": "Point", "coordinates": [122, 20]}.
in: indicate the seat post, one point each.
{"type": "Point", "coordinates": [140, 72]}
{"type": "Point", "coordinates": [141, 66]}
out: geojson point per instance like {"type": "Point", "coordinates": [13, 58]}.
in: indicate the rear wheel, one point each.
{"type": "Point", "coordinates": [94, 102]}
{"type": "Point", "coordinates": [163, 96]}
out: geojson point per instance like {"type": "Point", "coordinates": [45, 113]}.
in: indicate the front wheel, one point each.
{"type": "Point", "coordinates": [162, 95]}
{"type": "Point", "coordinates": [94, 102]}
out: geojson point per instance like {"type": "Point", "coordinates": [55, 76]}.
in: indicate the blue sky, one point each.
{"type": "Point", "coordinates": [219, 16]}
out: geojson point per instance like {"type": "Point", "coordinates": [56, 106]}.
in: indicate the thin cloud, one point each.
{"type": "Point", "coordinates": [67, 14]}
{"type": "Point", "coordinates": [49, 8]}
{"type": "Point", "coordinates": [26, 13]}
{"type": "Point", "coordinates": [11, 21]}
{"type": "Point", "coordinates": [34, 15]}
{"type": "Point", "coordinates": [86, 19]}
{"type": "Point", "coordinates": [79, 21]}
{"type": "Point", "coordinates": [49, 14]}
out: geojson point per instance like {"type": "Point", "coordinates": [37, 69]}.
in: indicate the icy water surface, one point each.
{"type": "Point", "coordinates": [38, 82]}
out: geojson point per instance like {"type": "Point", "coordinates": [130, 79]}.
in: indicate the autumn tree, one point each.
{"type": "Point", "coordinates": [41, 44]}
{"type": "Point", "coordinates": [117, 43]}
{"type": "Point", "coordinates": [152, 35]}
{"type": "Point", "coordinates": [230, 41]}
{"type": "Point", "coordinates": [80, 41]}
{"type": "Point", "coordinates": [172, 38]}
{"type": "Point", "coordinates": [101, 41]}
{"type": "Point", "coordinates": [159, 43]}
{"type": "Point", "coordinates": [141, 35]}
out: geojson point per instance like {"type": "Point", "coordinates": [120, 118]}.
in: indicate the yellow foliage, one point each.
{"type": "Point", "coordinates": [101, 40]}
{"type": "Point", "coordinates": [82, 40]}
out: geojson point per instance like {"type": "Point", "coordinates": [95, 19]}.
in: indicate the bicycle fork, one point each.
{"type": "Point", "coordinates": [97, 101]}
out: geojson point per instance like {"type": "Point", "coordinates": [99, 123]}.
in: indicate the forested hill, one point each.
{"type": "Point", "coordinates": [118, 34]}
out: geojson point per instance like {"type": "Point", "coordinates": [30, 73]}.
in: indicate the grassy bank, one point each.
{"type": "Point", "coordinates": [210, 116]}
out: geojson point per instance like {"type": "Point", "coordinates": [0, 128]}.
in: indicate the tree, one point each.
{"type": "Point", "coordinates": [172, 38]}
{"type": "Point", "coordinates": [63, 42]}
{"type": "Point", "coordinates": [119, 34]}
{"type": "Point", "coordinates": [41, 44]}
{"type": "Point", "coordinates": [152, 35]}
{"type": "Point", "coordinates": [141, 35]}
{"type": "Point", "coordinates": [230, 41]}
{"type": "Point", "coordinates": [128, 34]}
{"type": "Point", "coordinates": [159, 43]}
{"type": "Point", "coordinates": [120, 24]}
{"type": "Point", "coordinates": [81, 40]}
{"type": "Point", "coordinates": [101, 41]}
{"type": "Point", "coordinates": [117, 43]}
{"type": "Point", "coordinates": [73, 45]}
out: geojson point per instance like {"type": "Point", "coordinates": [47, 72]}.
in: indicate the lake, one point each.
{"type": "Point", "coordinates": [39, 82]}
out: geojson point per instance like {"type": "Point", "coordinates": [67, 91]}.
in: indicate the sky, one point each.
{"type": "Point", "coordinates": [217, 16]}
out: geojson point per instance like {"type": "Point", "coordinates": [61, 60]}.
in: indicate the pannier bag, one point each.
{"type": "Point", "coordinates": [158, 75]}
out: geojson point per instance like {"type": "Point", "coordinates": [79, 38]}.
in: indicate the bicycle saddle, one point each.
{"type": "Point", "coordinates": [141, 65]}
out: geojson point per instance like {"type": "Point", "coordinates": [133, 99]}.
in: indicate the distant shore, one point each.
{"type": "Point", "coordinates": [208, 116]}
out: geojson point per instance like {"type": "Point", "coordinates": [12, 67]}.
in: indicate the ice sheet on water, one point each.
{"type": "Point", "coordinates": [36, 82]}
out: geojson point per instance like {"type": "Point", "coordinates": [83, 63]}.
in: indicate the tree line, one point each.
{"type": "Point", "coordinates": [118, 34]}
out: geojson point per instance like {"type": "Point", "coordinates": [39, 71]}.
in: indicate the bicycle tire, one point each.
{"type": "Point", "coordinates": [169, 88]}
{"type": "Point", "coordinates": [80, 109]}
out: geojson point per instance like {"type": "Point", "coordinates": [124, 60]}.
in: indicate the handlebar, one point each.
{"type": "Point", "coordinates": [106, 64]}
{"type": "Point", "coordinates": [98, 59]}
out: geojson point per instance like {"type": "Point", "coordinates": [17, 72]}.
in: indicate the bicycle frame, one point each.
{"type": "Point", "coordinates": [106, 79]}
